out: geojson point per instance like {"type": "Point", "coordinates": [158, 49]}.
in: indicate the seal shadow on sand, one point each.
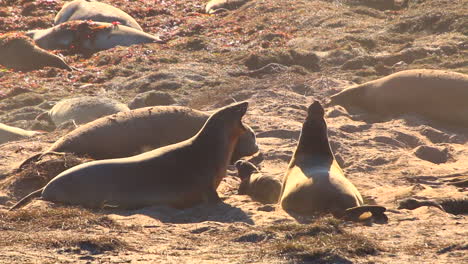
{"type": "Point", "coordinates": [220, 212]}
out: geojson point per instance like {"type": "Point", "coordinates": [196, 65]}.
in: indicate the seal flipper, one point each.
{"type": "Point", "coordinates": [211, 197]}
{"type": "Point", "coordinates": [360, 213]}
{"type": "Point", "coordinates": [26, 199]}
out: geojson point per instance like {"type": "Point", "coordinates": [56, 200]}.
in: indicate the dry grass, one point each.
{"type": "Point", "coordinates": [60, 227]}
{"type": "Point", "coordinates": [323, 241]}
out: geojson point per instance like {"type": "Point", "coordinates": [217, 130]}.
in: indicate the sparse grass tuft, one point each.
{"type": "Point", "coordinates": [325, 239]}
{"type": "Point", "coordinates": [60, 227]}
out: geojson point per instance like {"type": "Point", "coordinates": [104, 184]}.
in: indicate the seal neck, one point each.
{"type": "Point", "coordinates": [313, 141]}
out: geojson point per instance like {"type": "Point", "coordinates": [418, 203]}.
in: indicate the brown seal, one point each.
{"type": "Point", "coordinates": [260, 187]}
{"type": "Point", "coordinates": [96, 11]}
{"type": "Point", "coordinates": [452, 206]}
{"type": "Point", "coordinates": [314, 182]}
{"type": "Point", "coordinates": [140, 130]}
{"type": "Point", "coordinates": [180, 175]}
{"type": "Point", "coordinates": [19, 52]}
{"type": "Point", "coordinates": [435, 94]}
{"type": "Point", "coordinates": [89, 36]}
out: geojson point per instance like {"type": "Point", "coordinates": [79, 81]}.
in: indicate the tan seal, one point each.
{"type": "Point", "coordinates": [435, 94]}
{"type": "Point", "coordinates": [84, 109]}
{"type": "Point", "coordinates": [9, 133]}
{"type": "Point", "coordinates": [215, 6]}
{"type": "Point", "coordinates": [96, 11]}
{"type": "Point", "coordinates": [314, 182]}
{"type": "Point", "coordinates": [140, 130]}
{"type": "Point", "coordinates": [89, 36]}
{"type": "Point", "coordinates": [262, 188]}
{"type": "Point", "coordinates": [19, 52]}
{"type": "Point", "coordinates": [180, 175]}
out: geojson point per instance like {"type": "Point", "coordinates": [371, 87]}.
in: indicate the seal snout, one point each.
{"type": "Point", "coordinates": [242, 107]}
{"type": "Point", "coordinates": [316, 110]}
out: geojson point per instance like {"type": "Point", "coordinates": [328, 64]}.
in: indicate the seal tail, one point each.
{"type": "Point", "coordinates": [26, 199]}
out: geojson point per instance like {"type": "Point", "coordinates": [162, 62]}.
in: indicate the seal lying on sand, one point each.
{"type": "Point", "coordinates": [88, 36]}
{"type": "Point", "coordinates": [215, 6]}
{"type": "Point", "coordinates": [179, 175]}
{"type": "Point", "coordinates": [436, 94]}
{"type": "Point", "coordinates": [314, 182]}
{"type": "Point", "coordinates": [453, 206]}
{"type": "Point", "coordinates": [9, 133]}
{"type": "Point", "coordinates": [96, 11]}
{"type": "Point", "coordinates": [262, 188]}
{"type": "Point", "coordinates": [140, 130]}
{"type": "Point", "coordinates": [18, 52]}
{"type": "Point", "coordinates": [84, 109]}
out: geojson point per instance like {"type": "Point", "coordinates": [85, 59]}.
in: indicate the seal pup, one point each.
{"type": "Point", "coordinates": [140, 130]}
{"type": "Point", "coordinates": [84, 109]}
{"type": "Point", "coordinates": [89, 36]}
{"type": "Point", "coordinates": [9, 133]}
{"type": "Point", "coordinates": [436, 94]}
{"type": "Point", "coordinates": [261, 188]}
{"type": "Point", "coordinates": [314, 182]}
{"type": "Point", "coordinates": [180, 175]}
{"type": "Point", "coordinates": [96, 11]}
{"type": "Point", "coordinates": [452, 206]}
{"type": "Point", "coordinates": [215, 6]}
{"type": "Point", "coordinates": [19, 52]}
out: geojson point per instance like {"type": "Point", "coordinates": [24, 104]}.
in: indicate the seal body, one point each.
{"type": "Point", "coordinates": [141, 130]}
{"type": "Point", "coordinates": [436, 94]}
{"type": "Point", "coordinates": [314, 182]}
{"type": "Point", "coordinates": [89, 36]}
{"type": "Point", "coordinates": [259, 187]}
{"type": "Point", "coordinates": [18, 52]}
{"type": "Point", "coordinates": [9, 133]}
{"type": "Point", "coordinates": [84, 109]}
{"type": "Point", "coordinates": [215, 5]}
{"type": "Point", "coordinates": [179, 175]}
{"type": "Point", "coordinates": [95, 11]}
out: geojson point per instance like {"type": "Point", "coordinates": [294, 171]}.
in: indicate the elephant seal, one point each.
{"type": "Point", "coordinates": [95, 11]}
{"type": "Point", "coordinates": [261, 188]}
{"type": "Point", "coordinates": [180, 175]}
{"type": "Point", "coordinates": [314, 182]}
{"type": "Point", "coordinates": [452, 206]}
{"type": "Point", "coordinates": [89, 36]}
{"type": "Point", "coordinates": [9, 133]}
{"type": "Point", "coordinates": [215, 6]}
{"type": "Point", "coordinates": [435, 94]}
{"type": "Point", "coordinates": [19, 52]}
{"type": "Point", "coordinates": [84, 109]}
{"type": "Point", "coordinates": [140, 130]}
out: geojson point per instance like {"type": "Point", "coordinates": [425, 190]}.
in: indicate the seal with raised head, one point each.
{"type": "Point", "coordinates": [96, 11]}
{"type": "Point", "coordinates": [9, 133]}
{"type": "Point", "coordinates": [314, 182]}
{"type": "Point", "coordinates": [89, 36]}
{"type": "Point", "coordinates": [435, 94]}
{"type": "Point", "coordinates": [140, 130]}
{"type": "Point", "coordinates": [259, 187]}
{"type": "Point", "coordinates": [180, 175]}
{"type": "Point", "coordinates": [19, 52]}
{"type": "Point", "coordinates": [84, 109]}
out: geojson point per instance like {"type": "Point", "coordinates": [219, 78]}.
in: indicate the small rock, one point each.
{"type": "Point", "coordinates": [432, 154]}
